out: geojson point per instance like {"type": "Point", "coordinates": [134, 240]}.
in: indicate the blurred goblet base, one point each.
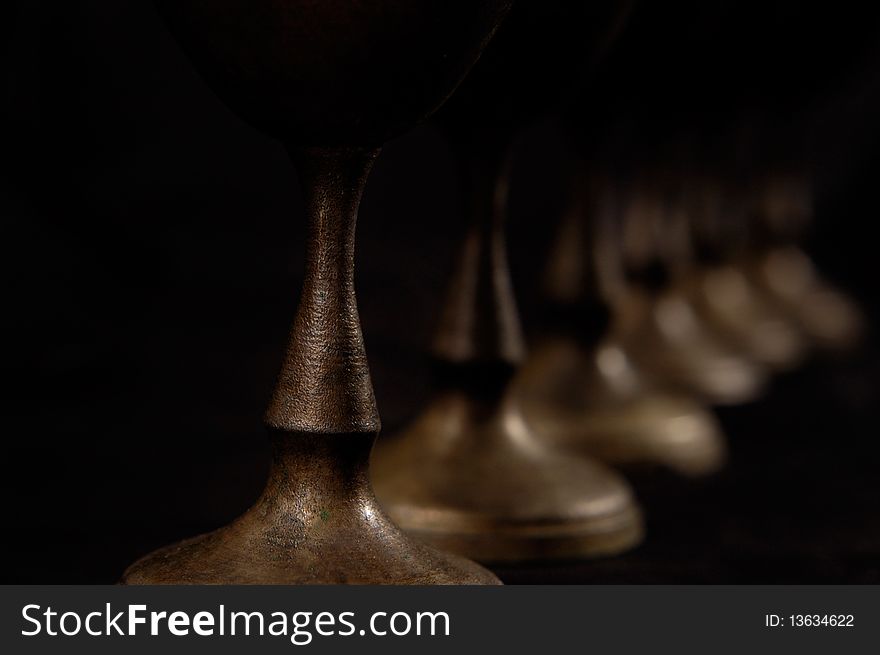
{"type": "Point", "coordinates": [474, 479]}
{"type": "Point", "coordinates": [668, 341]}
{"type": "Point", "coordinates": [827, 317]}
{"type": "Point", "coordinates": [597, 404]}
{"type": "Point", "coordinates": [740, 313]}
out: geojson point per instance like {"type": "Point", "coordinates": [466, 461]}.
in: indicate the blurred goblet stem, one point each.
{"type": "Point", "coordinates": [470, 475]}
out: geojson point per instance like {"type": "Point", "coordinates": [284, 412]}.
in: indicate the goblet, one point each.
{"type": "Point", "coordinates": [472, 474]}
{"type": "Point", "coordinates": [780, 268]}
{"type": "Point", "coordinates": [656, 319]}
{"type": "Point", "coordinates": [332, 81]}
{"type": "Point", "coordinates": [580, 384]}
{"type": "Point", "coordinates": [714, 213]}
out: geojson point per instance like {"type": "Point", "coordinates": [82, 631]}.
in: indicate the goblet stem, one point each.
{"type": "Point", "coordinates": [479, 337]}
{"type": "Point", "coordinates": [324, 389]}
{"type": "Point", "coordinates": [317, 520]}
{"type": "Point", "coordinates": [578, 276]}
{"type": "Point", "coordinates": [470, 475]}
{"type": "Point", "coordinates": [324, 386]}
{"type": "Point", "coordinates": [580, 387]}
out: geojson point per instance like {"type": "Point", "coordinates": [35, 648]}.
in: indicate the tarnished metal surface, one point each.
{"type": "Point", "coordinates": [324, 385]}
{"type": "Point", "coordinates": [331, 80]}
{"type": "Point", "coordinates": [316, 522]}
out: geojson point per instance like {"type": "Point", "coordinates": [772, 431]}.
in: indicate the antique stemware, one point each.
{"type": "Point", "coordinates": [472, 474]}
{"type": "Point", "coordinates": [779, 267]}
{"type": "Point", "coordinates": [332, 81]}
{"type": "Point", "coordinates": [713, 212]}
{"type": "Point", "coordinates": [657, 319]}
{"type": "Point", "coordinates": [580, 384]}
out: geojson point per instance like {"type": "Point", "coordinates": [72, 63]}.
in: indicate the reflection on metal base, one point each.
{"type": "Point", "coordinates": [739, 313]}
{"type": "Point", "coordinates": [667, 340]}
{"type": "Point", "coordinates": [596, 404]}
{"type": "Point", "coordinates": [826, 316]}
{"type": "Point", "coordinates": [473, 479]}
{"type": "Point", "coordinates": [317, 522]}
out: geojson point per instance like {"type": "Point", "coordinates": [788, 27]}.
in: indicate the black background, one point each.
{"type": "Point", "coordinates": [152, 252]}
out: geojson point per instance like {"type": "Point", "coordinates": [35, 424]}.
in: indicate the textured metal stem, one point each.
{"type": "Point", "coordinates": [324, 385]}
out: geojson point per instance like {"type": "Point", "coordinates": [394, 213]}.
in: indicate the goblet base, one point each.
{"type": "Point", "coordinates": [826, 316]}
{"type": "Point", "coordinates": [478, 482]}
{"type": "Point", "coordinates": [649, 431]}
{"type": "Point", "coordinates": [737, 310]}
{"type": "Point", "coordinates": [595, 404]}
{"type": "Point", "coordinates": [669, 342]}
{"type": "Point", "coordinates": [317, 522]}
{"type": "Point", "coordinates": [220, 558]}
{"type": "Point", "coordinates": [494, 541]}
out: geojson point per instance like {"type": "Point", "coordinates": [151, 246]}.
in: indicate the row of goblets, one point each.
{"type": "Point", "coordinates": [665, 295]}
{"type": "Point", "coordinates": [481, 472]}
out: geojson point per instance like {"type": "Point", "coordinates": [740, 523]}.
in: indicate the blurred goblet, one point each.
{"type": "Point", "coordinates": [714, 224]}
{"type": "Point", "coordinates": [781, 269]}
{"type": "Point", "coordinates": [580, 385]}
{"type": "Point", "coordinates": [472, 474]}
{"type": "Point", "coordinates": [332, 81]}
{"type": "Point", "coordinates": [656, 318]}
